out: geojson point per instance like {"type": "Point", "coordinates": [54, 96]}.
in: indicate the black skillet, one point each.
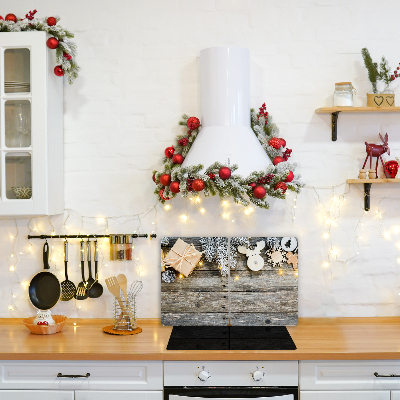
{"type": "Point", "coordinates": [44, 289]}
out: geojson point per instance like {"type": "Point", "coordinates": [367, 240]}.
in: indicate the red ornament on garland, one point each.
{"type": "Point", "coordinates": [59, 71]}
{"type": "Point", "coordinates": [162, 195]}
{"type": "Point", "coordinates": [193, 123]}
{"type": "Point", "coordinates": [51, 21]}
{"type": "Point", "coordinates": [282, 186]}
{"type": "Point", "coordinates": [198, 185]}
{"type": "Point", "coordinates": [11, 17]}
{"type": "Point", "coordinates": [169, 151]}
{"type": "Point", "coordinates": [183, 142]}
{"type": "Point", "coordinates": [165, 179]}
{"type": "Point", "coordinates": [290, 177]}
{"type": "Point", "coordinates": [1, 18]}
{"type": "Point", "coordinates": [52, 43]}
{"type": "Point", "coordinates": [225, 173]}
{"type": "Point", "coordinates": [252, 185]}
{"type": "Point", "coordinates": [154, 179]}
{"type": "Point", "coordinates": [391, 168]}
{"type": "Point", "coordinates": [174, 187]}
{"type": "Point", "coordinates": [283, 141]}
{"type": "Point", "coordinates": [259, 192]}
{"type": "Point", "coordinates": [67, 56]}
{"type": "Point", "coordinates": [177, 158]}
{"type": "Point", "coordinates": [275, 142]}
{"type": "Point", "coordinates": [277, 160]}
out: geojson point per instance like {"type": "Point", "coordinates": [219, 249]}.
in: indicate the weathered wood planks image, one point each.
{"type": "Point", "coordinates": [244, 297]}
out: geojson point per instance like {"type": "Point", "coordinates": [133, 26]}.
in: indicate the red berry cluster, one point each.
{"type": "Point", "coordinates": [67, 56]}
{"type": "Point", "coordinates": [396, 73]}
{"type": "Point", "coordinates": [286, 154]}
{"type": "Point", "coordinates": [263, 113]}
{"type": "Point", "coordinates": [211, 176]}
{"type": "Point", "coordinates": [31, 15]}
{"type": "Point", "coordinates": [265, 179]}
{"type": "Point", "coordinates": [189, 182]}
{"type": "Point", "coordinates": [183, 142]}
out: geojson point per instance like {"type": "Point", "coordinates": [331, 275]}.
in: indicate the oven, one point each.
{"type": "Point", "coordinates": [238, 380]}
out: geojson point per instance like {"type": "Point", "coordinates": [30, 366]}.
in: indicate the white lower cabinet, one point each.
{"type": "Point", "coordinates": [117, 395]}
{"type": "Point", "coordinates": [345, 395]}
{"type": "Point", "coordinates": [36, 395]}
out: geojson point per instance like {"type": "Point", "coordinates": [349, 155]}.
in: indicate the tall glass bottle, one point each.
{"type": "Point", "coordinates": [128, 247]}
{"type": "Point", "coordinates": [113, 247]}
{"type": "Point", "coordinates": [120, 247]}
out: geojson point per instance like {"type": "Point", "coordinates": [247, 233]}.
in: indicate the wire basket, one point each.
{"type": "Point", "coordinates": [125, 309]}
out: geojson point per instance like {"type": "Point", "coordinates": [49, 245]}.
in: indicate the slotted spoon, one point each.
{"type": "Point", "coordinates": [68, 288]}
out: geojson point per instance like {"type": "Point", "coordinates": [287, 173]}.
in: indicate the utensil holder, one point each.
{"type": "Point", "coordinates": [125, 314]}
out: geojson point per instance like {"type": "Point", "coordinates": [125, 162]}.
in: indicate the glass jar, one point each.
{"type": "Point", "coordinates": [343, 96]}
{"type": "Point", "coordinates": [128, 247]}
{"type": "Point", "coordinates": [113, 247]}
{"type": "Point", "coordinates": [120, 247]}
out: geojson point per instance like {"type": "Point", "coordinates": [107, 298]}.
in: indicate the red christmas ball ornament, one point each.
{"type": "Point", "coordinates": [391, 168]}
{"type": "Point", "coordinates": [51, 21]}
{"type": "Point", "coordinates": [193, 123]}
{"type": "Point", "coordinates": [154, 179]}
{"type": "Point", "coordinates": [283, 142]}
{"type": "Point", "coordinates": [177, 158]}
{"type": "Point", "coordinates": [259, 192]}
{"type": "Point", "coordinates": [277, 160]}
{"type": "Point", "coordinates": [174, 187]}
{"type": "Point", "coordinates": [165, 179]}
{"type": "Point", "coordinates": [52, 43]}
{"type": "Point", "coordinates": [282, 186]}
{"type": "Point", "coordinates": [290, 177]}
{"type": "Point", "coordinates": [252, 184]}
{"type": "Point", "coordinates": [198, 185]}
{"type": "Point", "coordinates": [275, 142]}
{"type": "Point", "coordinates": [225, 173]}
{"type": "Point", "coordinates": [59, 71]}
{"type": "Point", "coordinates": [11, 17]}
{"type": "Point", "coordinates": [1, 18]}
{"type": "Point", "coordinates": [162, 195]}
{"type": "Point", "coordinates": [169, 151]}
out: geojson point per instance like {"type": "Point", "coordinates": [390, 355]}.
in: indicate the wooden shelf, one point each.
{"type": "Point", "coordinates": [367, 187]}
{"type": "Point", "coordinates": [336, 110]}
{"type": "Point", "coordinates": [330, 110]}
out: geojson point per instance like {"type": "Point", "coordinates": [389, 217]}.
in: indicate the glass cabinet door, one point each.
{"type": "Point", "coordinates": [16, 125]}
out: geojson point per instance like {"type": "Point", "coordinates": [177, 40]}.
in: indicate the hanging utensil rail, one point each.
{"type": "Point", "coordinates": [134, 236]}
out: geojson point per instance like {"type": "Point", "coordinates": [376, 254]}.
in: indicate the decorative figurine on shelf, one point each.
{"type": "Point", "coordinates": [44, 318]}
{"type": "Point", "coordinates": [254, 261]}
{"type": "Point", "coordinates": [376, 150]}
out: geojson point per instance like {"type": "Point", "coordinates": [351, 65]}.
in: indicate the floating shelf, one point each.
{"type": "Point", "coordinates": [367, 186]}
{"type": "Point", "coordinates": [336, 110]}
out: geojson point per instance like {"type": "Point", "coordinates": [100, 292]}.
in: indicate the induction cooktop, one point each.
{"type": "Point", "coordinates": [230, 338]}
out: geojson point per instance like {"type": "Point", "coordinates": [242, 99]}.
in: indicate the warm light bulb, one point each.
{"type": "Point", "coordinates": [326, 264]}
{"type": "Point", "coordinates": [325, 235]}
{"type": "Point", "coordinates": [328, 221]}
{"type": "Point", "coordinates": [198, 200]}
{"type": "Point", "coordinates": [202, 210]}
{"type": "Point", "coordinates": [10, 308]}
{"type": "Point", "coordinates": [11, 237]}
{"type": "Point", "coordinates": [167, 207]}
{"type": "Point", "coordinates": [184, 217]}
{"type": "Point", "coordinates": [236, 278]}
{"type": "Point", "coordinates": [11, 268]}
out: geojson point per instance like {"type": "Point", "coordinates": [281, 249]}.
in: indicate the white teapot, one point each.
{"type": "Point", "coordinates": [44, 318]}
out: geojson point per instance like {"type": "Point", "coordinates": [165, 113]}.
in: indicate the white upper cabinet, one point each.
{"type": "Point", "coordinates": [31, 127]}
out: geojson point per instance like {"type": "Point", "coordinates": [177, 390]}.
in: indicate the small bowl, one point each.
{"type": "Point", "coordinates": [22, 192]}
{"type": "Point", "coordinates": [46, 329]}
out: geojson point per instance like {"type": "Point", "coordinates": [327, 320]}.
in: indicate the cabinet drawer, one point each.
{"type": "Point", "coordinates": [349, 375]}
{"type": "Point", "coordinates": [116, 395]}
{"type": "Point", "coordinates": [343, 395]}
{"type": "Point", "coordinates": [115, 375]}
{"type": "Point", "coordinates": [35, 395]}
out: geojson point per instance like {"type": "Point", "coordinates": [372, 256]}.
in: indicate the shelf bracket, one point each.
{"type": "Point", "coordinates": [367, 196]}
{"type": "Point", "coordinates": [335, 116]}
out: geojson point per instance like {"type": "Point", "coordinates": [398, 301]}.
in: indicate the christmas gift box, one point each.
{"type": "Point", "coordinates": [182, 257]}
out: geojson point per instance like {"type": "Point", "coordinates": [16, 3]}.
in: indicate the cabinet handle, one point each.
{"type": "Point", "coordinates": [386, 376]}
{"type": "Point", "coordinates": [60, 375]}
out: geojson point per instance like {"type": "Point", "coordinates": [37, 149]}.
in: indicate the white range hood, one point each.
{"type": "Point", "coordinates": [225, 106]}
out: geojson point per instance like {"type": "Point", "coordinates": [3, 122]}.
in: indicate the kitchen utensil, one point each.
{"type": "Point", "coordinates": [97, 289]}
{"type": "Point", "coordinates": [115, 290]}
{"type": "Point", "coordinates": [90, 280]}
{"type": "Point", "coordinates": [45, 329]}
{"type": "Point", "coordinates": [81, 290]}
{"type": "Point", "coordinates": [44, 289]}
{"type": "Point", "coordinates": [123, 284]}
{"type": "Point", "coordinates": [68, 289]}
{"type": "Point", "coordinates": [135, 288]}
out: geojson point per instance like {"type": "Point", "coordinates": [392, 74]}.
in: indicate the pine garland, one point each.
{"type": "Point", "coordinates": [236, 186]}
{"type": "Point", "coordinates": [372, 68]}
{"type": "Point", "coordinates": [66, 50]}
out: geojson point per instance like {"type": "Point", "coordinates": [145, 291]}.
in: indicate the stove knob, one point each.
{"type": "Point", "coordinates": [204, 375]}
{"type": "Point", "coordinates": [257, 375]}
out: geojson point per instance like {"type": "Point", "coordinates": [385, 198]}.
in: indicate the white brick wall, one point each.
{"type": "Point", "coordinates": [139, 74]}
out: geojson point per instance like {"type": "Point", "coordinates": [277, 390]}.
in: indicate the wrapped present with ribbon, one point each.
{"type": "Point", "coordinates": [182, 257]}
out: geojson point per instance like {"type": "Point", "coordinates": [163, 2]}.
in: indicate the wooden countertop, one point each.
{"type": "Point", "coordinates": [315, 338]}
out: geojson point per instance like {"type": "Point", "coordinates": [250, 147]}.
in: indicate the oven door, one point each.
{"type": "Point", "coordinates": [227, 393]}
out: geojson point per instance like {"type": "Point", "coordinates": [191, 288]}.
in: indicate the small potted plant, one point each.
{"type": "Point", "coordinates": [386, 97]}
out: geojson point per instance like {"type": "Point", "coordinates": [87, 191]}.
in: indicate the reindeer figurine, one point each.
{"type": "Point", "coordinates": [255, 262]}
{"type": "Point", "coordinates": [376, 150]}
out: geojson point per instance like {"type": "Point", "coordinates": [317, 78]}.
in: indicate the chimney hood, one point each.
{"type": "Point", "coordinates": [226, 135]}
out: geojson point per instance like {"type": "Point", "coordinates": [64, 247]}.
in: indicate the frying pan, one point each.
{"type": "Point", "coordinates": [44, 289]}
